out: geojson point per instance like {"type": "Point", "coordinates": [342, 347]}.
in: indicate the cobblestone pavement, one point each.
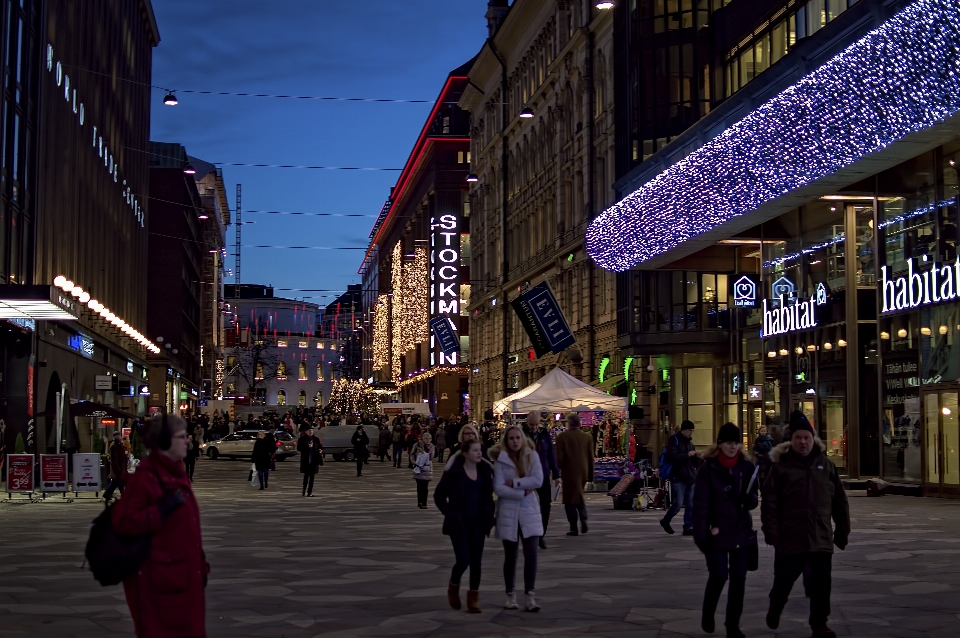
{"type": "Point", "coordinates": [361, 560]}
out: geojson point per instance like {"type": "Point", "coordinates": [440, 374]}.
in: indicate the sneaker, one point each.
{"type": "Point", "coordinates": [665, 524]}
{"type": "Point", "coordinates": [511, 601]}
{"type": "Point", "coordinates": [531, 602]}
{"type": "Point", "coordinates": [824, 632]}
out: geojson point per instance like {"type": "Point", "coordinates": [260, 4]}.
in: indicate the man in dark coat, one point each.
{"type": "Point", "coordinates": [543, 444]}
{"type": "Point", "coordinates": [383, 442]}
{"type": "Point", "coordinates": [361, 448]}
{"type": "Point", "coordinates": [682, 455]}
{"type": "Point", "coordinates": [311, 456]}
{"type": "Point", "coordinates": [118, 466]}
{"type": "Point", "coordinates": [575, 460]}
{"type": "Point", "coordinates": [801, 495]}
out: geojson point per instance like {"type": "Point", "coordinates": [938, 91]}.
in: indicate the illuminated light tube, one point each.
{"type": "Point", "coordinates": [898, 79]}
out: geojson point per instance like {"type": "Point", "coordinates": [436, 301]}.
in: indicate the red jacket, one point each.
{"type": "Point", "coordinates": [165, 596]}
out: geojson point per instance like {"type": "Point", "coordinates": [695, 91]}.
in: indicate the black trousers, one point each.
{"type": "Point", "coordinates": [574, 511]}
{"type": "Point", "coordinates": [422, 490]}
{"type": "Point", "coordinates": [397, 454]}
{"type": "Point", "coordinates": [787, 569]}
{"type": "Point", "coordinates": [308, 482]}
{"type": "Point", "coordinates": [510, 552]}
{"type": "Point", "coordinates": [723, 565]}
{"type": "Point", "coordinates": [359, 465]}
{"type": "Point", "coordinates": [468, 549]}
{"type": "Point", "coordinates": [115, 484]}
{"type": "Point", "coordinates": [544, 493]}
{"type": "Point", "coordinates": [190, 462]}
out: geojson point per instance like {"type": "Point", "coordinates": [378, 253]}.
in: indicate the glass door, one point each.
{"type": "Point", "coordinates": [942, 443]}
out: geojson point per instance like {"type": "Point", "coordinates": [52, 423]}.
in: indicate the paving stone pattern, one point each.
{"type": "Point", "coordinates": [360, 560]}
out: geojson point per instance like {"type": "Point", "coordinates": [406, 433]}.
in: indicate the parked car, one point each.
{"type": "Point", "coordinates": [240, 445]}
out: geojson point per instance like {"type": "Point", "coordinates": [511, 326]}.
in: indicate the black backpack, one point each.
{"type": "Point", "coordinates": [113, 557]}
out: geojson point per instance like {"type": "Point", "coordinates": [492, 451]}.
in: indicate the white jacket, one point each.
{"type": "Point", "coordinates": [513, 508]}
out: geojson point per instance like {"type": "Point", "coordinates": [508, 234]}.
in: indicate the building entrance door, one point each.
{"type": "Point", "coordinates": [941, 443]}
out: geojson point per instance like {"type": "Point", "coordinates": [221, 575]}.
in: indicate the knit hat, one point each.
{"type": "Point", "coordinates": [798, 422]}
{"type": "Point", "coordinates": [729, 433]}
{"type": "Point", "coordinates": [686, 425]}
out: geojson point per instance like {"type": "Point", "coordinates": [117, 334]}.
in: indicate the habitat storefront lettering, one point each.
{"type": "Point", "coordinates": [801, 315]}
{"type": "Point", "coordinates": [915, 288]}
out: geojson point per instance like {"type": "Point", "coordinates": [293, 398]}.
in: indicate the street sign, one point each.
{"type": "Point", "coordinates": [86, 473]}
{"type": "Point", "coordinates": [20, 473]}
{"type": "Point", "coordinates": [53, 472]}
{"type": "Point", "coordinates": [103, 382]}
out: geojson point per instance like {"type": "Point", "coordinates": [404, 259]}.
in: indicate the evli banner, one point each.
{"type": "Point", "coordinates": [446, 334]}
{"type": "Point", "coordinates": [543, 320]}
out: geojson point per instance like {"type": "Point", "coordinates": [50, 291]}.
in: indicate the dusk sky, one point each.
{"type": "Point", "coordinates": [396, 49]}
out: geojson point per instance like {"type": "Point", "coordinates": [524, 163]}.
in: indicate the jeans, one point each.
{"type": "Point", "coordinates": [574, 511]}
{"type": "Point", "coordinates": [681, 496]}
{"type": "Point", "coordinates": [545, 494]}
{"type": "Point", "coordinates": [308, 482]}
{"type": "Point", "coordinates": [510, 551]}
{"type": "Point", "coordinates": [786, 570]}
{"type": "Point", "coordinates": [115, 484]}
{"type": "Point", "coordinates": [397, 454]}
{"type": "Point", "coordinates": [721, 565]}
{"type": "Point", "coordinates": [468, 549]}
{"type": "Point", "coordinates": [422, 488]}
{"type": "Point", "coordinates": [263, 476]}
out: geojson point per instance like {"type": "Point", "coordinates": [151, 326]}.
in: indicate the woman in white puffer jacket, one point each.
{"type": "Point", "coordinates": [517, 473]}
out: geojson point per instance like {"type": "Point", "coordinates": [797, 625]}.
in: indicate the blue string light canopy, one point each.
{"type": "Point", "coordinates": [898, 79]}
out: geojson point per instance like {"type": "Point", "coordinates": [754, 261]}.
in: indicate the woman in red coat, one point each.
{"type": "Point", "coordinates": [165, 596]}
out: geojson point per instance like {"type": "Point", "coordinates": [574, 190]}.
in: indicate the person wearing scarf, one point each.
{"type": "Point", "coordinates": [725, 493]}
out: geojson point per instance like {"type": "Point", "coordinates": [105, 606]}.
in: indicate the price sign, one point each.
{"type": "Point", "coordinates": [20, 473]}
{"type": "Point", "coordinates": [53, 472]}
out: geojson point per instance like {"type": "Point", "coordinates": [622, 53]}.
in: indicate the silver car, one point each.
{"type": "Point", "coordinates": [240, 445]}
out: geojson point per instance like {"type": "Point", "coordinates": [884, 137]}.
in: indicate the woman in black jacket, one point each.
{"type": "Point", "coordinates": [725, 493]}
{"type": "Point", "coordinates": [465, 498]}
{"type": "Point", "coordinates": [261, 459]}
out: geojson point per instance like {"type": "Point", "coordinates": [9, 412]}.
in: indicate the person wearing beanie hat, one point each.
{"type": "Point", "coordinates": [725, 493]}
{"type": "Point", "coordinates": [801, 494]}
{"type": "Point", "coordinates": [682, 456]}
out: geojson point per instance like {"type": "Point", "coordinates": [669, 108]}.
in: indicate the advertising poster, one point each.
{"type": "Point", "coordinates": [53, 472]}
{"type": "Point", "coordinates": [86, 473]}
{"type": "Point", "coordinates": [20, 473]}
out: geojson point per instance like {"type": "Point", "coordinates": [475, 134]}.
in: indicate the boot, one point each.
{"type": "Point", "coordinates": [453, 595]}
{"type": "Point", "coordinates": [710, 599]}
{"type": "Point", "coordinates": [473, 602]}
{"type": "Point", "coordinates": [511, 602]}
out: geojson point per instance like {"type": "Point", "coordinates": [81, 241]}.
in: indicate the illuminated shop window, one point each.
{"type": "Point", "coordinates": [281, 397]}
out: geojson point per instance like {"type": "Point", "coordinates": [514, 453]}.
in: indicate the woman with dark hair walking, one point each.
{"type": "Point", "coordinates": [725, 493]}
{"type": "Point", "coordinates": [465, 498]}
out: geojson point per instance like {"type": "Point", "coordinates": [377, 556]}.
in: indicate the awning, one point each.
{"type": "Point", "coordinates": [37, 302]}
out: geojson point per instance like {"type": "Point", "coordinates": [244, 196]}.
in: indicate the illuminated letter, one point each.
{"type": "Point", "coordinates": [915, 283]}
{"type": "Point", "coordinates": [448, 255]}
{"type": "Point", "coordinates": [443, 273]}
{"type": "Point", "coordinates": [946, 287]}
{"type": "Point", "coordinates": [447, 307]}
{"type": "Point", "coordinates": [448, 222]}
{"type": "Point", "coordinates": [902, 293]}
{"type": "Point", "coordinates": [888, 303]}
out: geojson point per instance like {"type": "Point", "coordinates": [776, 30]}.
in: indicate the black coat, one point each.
{"type": "Point", "coordinates": [361, 443]}
{"type": "Point", "coordinates": [261, 454]}
{"type": "Point", "coordinates": [449, 497]}
{"type": "Point", "coordinates": [310, 453]}
{"type": "Point", "coordinates": [721, 500]}
{"type": "Point", "coordinates": [800, 496]}
{"type": "Point", "coordinates": [684, 468]}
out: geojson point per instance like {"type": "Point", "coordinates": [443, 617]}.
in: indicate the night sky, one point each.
{"type": "Point", "coordinates": [396, 49]}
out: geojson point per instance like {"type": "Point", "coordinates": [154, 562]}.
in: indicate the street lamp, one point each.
{"type": "Point", "coordinates": [472, 177]}
{"type": "Point", "coordinates": [526, 112]}
{"type": "Point", "coordinates": [606, 4]}
{"type": "Point", "coordinates": [189, 169]}
{"type": "Point", "coordinates": [170, 99]}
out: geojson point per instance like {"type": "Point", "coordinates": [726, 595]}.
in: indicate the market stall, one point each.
{"type": "Point", "coordinates": [557, 391]}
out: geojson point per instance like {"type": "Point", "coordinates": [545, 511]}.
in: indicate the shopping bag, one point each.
{"type": "Point", "coordinates": [555, 491]}
{"type": "Point", "coordinates": [252, 476]}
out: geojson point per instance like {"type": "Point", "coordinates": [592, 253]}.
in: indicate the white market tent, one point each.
{"type": "Point", "coordinates": [557, 391]}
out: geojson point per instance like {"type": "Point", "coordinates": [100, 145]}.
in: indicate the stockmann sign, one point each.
{"type": "Point", "coordinates": [914, 288]}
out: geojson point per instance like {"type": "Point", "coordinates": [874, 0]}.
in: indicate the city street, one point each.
{"type": "Point", "coordinates": [360, 559]}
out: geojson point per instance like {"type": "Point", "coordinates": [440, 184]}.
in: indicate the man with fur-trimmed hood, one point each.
{"type": "Point", "coordinates": [801, 494]}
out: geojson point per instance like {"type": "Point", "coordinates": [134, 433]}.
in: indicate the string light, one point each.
{"type": "Point", "coordinates": [353, 397]}
{"type": "Point", "coordinates": [381, 333]}
{"type": "Point", "coordinates": [432, 372]}
{"type": "Point", "coordinates": [411, 303]}
{"type": "Point", "coordinates": [894, 81]}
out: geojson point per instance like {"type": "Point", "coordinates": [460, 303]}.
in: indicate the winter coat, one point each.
{"type": "Point", "coordinates": [165, 596]}
{"type": "Point", "coordinates": [426, 470]}
{"type": "Point", "coordinates": [118, 461]}
{"type": "Point", "coordinates": [763, 445]}
{"type": "Point", "coordinates": [721, 500]}
{"type": "Point", "coordinates": [543, 444]}
{"type": "Point", "coordinates": [441, 439]}
{"type": "Point", "coordinates": [383, 440]}
{"type": "Point", "coordinates": [515, 508]}
{"type": "Point", "coordinates": [684, 468]}
{"type": "Point", "coordinates": [310, 452]}
{"type": "Point", "coordinates": [397, 435]}
{"type": "Point", "coordinates": [449, 498]}
{"type": "Point", "coordinates": [361, 443]}
{"type": "Point", "coordinates": [261, 454]}
{"type": "Point", "coordinates": [575, 460]}
{"type": "Point", "coordinates": [800, 496]}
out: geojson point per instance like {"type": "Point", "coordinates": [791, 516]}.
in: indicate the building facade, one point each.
{"type": "Point", "coordinates": [542, 142]}
{"type": "Point", "coordinates": [792, 248]}
{"type": "Point", "coordinates": [417, 264]}
{"type": "Point", "coordinates": [73, 211]}
{"type": "Point", "coordinates": [341, 326]}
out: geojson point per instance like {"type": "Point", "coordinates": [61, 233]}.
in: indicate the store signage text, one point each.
{"type": "Point", "coordinates": [745, 292]}
{"type": "Point", "coordinates": [915, 288]}
{"type": "Point", "coordinates": [82, 344]}
{"type": "Point", "coordinates": [445, 274]}
{"type": "Point", "coordinates": [783, 318]}
{"type": "Point", "coordinates": [103, 152]}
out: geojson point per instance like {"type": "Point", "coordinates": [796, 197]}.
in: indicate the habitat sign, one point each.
{"type": "Point", "coordinates": [914, 288]}
{"type": "Point", "coordinates": [786, 317]}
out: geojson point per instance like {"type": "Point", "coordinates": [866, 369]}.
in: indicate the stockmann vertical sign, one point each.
{"type": "Point", "coordinates": [914, 288]}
